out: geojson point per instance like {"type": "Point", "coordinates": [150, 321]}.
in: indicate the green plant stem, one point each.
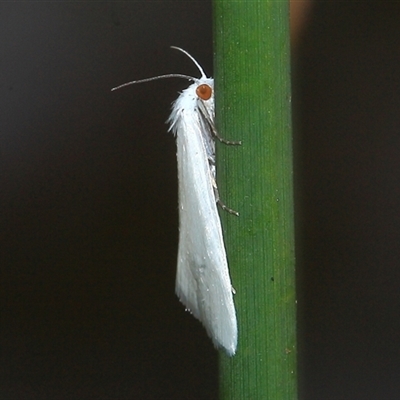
{"type": "Point", "coordinates": [252, 77]}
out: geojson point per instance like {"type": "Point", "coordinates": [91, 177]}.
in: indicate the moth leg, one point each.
{"type": "Point", "coordinates": [213, 130]}
{"type": "Point", "coordinates": [218, 200]}
{"type": "Point", "coordinates": [225, 208]}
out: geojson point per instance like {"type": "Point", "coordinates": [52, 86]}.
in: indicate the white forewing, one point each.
{"type": "Point", "coordinates": [202, 282]}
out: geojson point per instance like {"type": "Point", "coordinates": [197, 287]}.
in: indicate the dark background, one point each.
{"type": "Point", "coordinates": [88, 202]}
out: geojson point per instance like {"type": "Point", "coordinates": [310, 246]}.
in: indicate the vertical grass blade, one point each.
{"type": "Point", "coordinates": [252, 77]}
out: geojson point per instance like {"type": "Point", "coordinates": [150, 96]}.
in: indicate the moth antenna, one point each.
{"type": "Point", "coordinates": [203, 75]}
{"type": "Point", "coordinates": [154, 78]}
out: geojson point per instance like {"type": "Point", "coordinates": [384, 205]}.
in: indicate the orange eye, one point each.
{"type": "Point", "coordinates": [204, 91]}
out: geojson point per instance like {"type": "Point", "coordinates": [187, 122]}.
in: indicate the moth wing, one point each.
{"type": "Point", "coordinates": [203, 283]}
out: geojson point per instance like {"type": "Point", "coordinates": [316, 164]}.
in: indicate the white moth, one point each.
{"type": "Point", "coordinates": [203, 283]}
